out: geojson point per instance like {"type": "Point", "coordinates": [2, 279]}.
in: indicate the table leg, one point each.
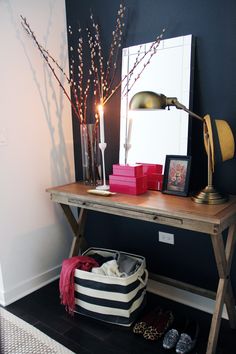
{"type": "Point", "coordinates": [229, 296]}
{"type": "Point", "coordinates": [223, 256]}
{"type": "Point", "coordinates": [77, 228]}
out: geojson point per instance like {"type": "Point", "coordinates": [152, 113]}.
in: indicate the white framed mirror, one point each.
{"type": "Point", "coordinates": [148, 136]}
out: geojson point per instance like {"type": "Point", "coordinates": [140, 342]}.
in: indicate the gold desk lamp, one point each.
{"type": "Point", "coordinates": [218, 139]}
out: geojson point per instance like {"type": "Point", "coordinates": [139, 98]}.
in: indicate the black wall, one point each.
{"type": "Point", "coordinates": [213, 24]}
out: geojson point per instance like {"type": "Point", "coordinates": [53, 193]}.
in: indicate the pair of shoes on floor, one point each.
{"type": "Point", "coordinates": [182, 336]}
{"type": "Point", "coordinates": [154, 324]}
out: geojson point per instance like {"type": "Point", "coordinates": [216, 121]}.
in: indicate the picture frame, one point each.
{"type": "Point", "coordinates": [176, 175]}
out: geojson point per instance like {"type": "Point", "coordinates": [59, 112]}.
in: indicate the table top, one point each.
{"type": "Point", "coordinates": [151, 206]}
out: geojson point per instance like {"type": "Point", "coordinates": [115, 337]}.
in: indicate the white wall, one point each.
{"type": "Point", "coordinates": [36, 148]}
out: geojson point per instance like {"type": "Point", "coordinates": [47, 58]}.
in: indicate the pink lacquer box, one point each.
{"type": "Point", "coordinates": [128, 184]}
{"type": "Point", "coordinates": [154, 181]}
{"type": "Point", "coordinates": [154, 175]}
{"type": "Point", "coordinates": [128, 170]}
{"type": "Point", "coordinates": [149, 168]}
{"type": "Point", "coordinates": [128, 179]}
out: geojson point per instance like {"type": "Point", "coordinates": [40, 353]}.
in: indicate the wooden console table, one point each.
{"type": "Point", "coordinates": [168, 210]}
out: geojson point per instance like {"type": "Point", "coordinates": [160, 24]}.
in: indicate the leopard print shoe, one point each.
{"type": "Point", "coordinates": [140, 327]}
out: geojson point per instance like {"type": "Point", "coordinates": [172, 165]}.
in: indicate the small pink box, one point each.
{"type": "Point", "coordinates": [154, 181]}
{"type": "Point", "coordinates": [149, 168]}
{"type": "Point", "coordinates": [128, 170]}
{"type": "Point", "coordinates": [127, 184]}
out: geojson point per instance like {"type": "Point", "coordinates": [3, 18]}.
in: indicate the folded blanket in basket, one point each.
{"type": "Point", "coordinates": [66, 284]}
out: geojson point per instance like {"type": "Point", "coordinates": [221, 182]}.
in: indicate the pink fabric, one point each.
{"type": "Point", "coordinates": [66, 284]}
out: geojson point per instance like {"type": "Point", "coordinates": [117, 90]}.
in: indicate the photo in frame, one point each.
{"type": "Point", "coordinates": [176, 175]}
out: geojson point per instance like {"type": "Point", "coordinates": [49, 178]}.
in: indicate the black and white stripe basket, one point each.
{"type": "Point", "coordinates": [111, 299]}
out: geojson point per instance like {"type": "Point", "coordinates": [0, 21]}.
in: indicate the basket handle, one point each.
{"type": "Point", "coordinates": [144, 282]}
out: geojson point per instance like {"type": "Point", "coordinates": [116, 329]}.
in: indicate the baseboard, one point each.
{"type": "Point", "coordinates": [2, 300]}
{"type": "Point", "coordinates": [183, 296]}
{"type": "Point", "coordinates": [30, 285]}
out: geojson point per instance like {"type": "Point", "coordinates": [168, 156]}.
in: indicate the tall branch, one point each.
{"type": "Point", "coordinates": [28, 30]}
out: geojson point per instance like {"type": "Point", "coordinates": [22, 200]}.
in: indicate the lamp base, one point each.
{"type": "Point", "coordinates": [209, 195]}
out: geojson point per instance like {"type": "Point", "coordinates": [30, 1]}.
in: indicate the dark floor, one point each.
{"type": "Point", "coordinates": [83, 335]}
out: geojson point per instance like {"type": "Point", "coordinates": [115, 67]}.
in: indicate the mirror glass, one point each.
{"type": "Point", "coordinates": [148, 136]}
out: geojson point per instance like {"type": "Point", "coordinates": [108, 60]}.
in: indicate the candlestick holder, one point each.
{"type": "Point", "coordinates": [104, 186]}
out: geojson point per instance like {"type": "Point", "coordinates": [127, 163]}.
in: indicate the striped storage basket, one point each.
{"type": "Point", "coordinates": [111, 299]}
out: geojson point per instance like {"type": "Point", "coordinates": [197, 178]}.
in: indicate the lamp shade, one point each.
{"type": "Point", "coordinates": [147, 100]}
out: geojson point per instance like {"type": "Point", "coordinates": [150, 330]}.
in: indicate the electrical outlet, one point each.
{"type": "Point", "coordinates": [166, 237]}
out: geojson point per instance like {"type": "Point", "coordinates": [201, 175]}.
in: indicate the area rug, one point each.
{"type": "Point", "coordinates": [19, 337]}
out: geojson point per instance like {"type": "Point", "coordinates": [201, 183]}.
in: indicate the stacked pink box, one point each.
{"type": "Point", "coordinates": [128, 179]}
{"type": "Point", "coordinates": [154, 175]}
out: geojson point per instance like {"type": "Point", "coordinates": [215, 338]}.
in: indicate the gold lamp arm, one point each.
{"type": "Point", "coordinates": [172, 101]}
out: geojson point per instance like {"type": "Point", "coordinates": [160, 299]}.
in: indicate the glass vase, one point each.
{"type": "Point", "coordinates": [91, 159]}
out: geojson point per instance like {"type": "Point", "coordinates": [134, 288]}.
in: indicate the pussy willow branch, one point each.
{"type": "Point", "coordinates": [130, 73]}
{"type": "Point", "coordinates": [80, 93]}
{"type": "Point", "coordinates": [115, 47]}
{"type": "Point", "coordinates": [105, 76]}
{"type": "Point", "coordinates": [150, 52]}
{"type": "Point", "coordinates": [97, 45]}
{"type": "Point", "coordinates": [73, 82]}
{"type": "Point", "coordinates": [96, 79]}
{"type": "Point", "coordinates": [28, 30]}
{"type": "Point", "coordinates": [70, 81]}
{"type": "Point", "coordinates": [103, 80]}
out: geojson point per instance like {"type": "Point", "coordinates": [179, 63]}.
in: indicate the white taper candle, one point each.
{"type": "Point", "coordinates": [101, 121]}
